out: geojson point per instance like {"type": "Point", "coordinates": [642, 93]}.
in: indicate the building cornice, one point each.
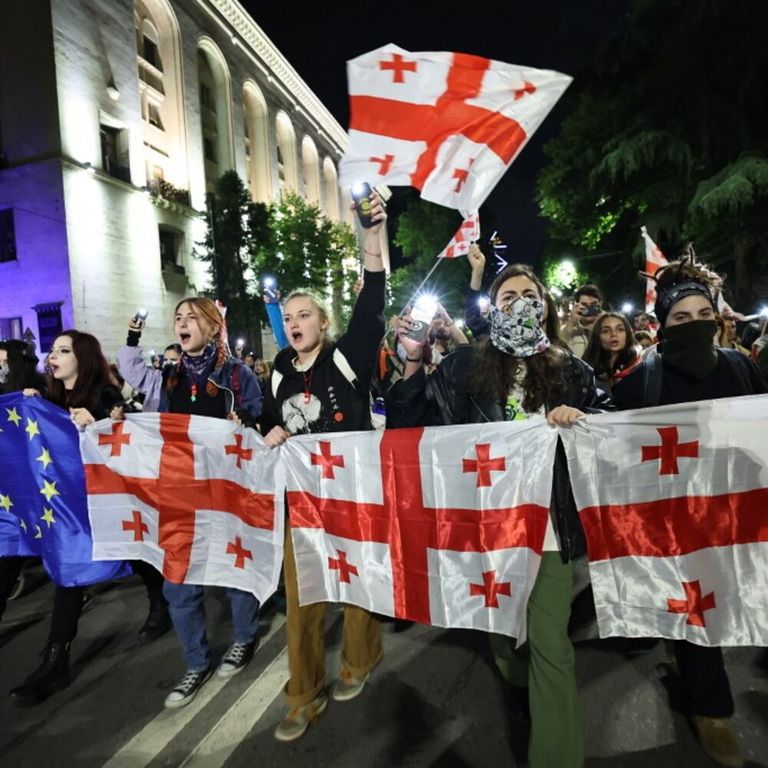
{"type": "Point", "coordinates": [279, 68]}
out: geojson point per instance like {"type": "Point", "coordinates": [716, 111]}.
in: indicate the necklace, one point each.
{"type": "Point", "coordinates": [307, 384]}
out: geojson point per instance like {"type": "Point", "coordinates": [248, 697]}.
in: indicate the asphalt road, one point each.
{"type": "Point", "coordinates": [434, 701]}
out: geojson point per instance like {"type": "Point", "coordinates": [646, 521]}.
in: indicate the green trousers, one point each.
{"type": "Point", "coordinates": [546, 666]}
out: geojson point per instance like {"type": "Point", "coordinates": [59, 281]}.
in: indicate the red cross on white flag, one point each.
{"type": "Point", "coordinates": [449, 124]}
{"type": "Point", "coordinates": [673, 503]}
{"type": "Point", "coordinates": [193, 496]}
{"type": "Point", "coordinates": [654, 260]}
{"type": "Point", "coordinates": [466, 234]}
{"type": "Point", "coordinates": [441, 525]}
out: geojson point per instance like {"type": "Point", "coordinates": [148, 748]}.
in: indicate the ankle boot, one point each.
{"type": "Point", "coordinates": [52, 675]}
{"type": "Point", "coordinates": [158, 621]}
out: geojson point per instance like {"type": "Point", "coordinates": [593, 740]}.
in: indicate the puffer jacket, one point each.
{"type": "Point", "coordinates": [444, 398]}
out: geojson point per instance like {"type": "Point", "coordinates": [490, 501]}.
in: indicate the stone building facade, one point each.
{"type": "Point", "coordinates": [115, 119]}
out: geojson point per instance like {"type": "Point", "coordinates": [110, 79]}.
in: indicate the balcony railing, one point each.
{"type": "Point", "coordinates": [167, 191]}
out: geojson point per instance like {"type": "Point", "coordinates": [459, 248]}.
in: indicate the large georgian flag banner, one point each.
{"type": "Point", "coordinates": [442, 525]}
{"type": "Point", "coordinates": [194, 496]}
{"type": "Point", "coordinates": [674, 503]}
{"type": "Point", "coordinates": [449, 124]}
{"type": "Point", "coordinates": [43, 508]}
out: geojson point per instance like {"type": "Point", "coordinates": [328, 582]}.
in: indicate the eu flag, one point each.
{"type": "Point", "coordinates": [43, 506]}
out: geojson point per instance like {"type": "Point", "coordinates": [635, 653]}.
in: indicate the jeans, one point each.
{"type": "Point", "coordinates": [187, 608]}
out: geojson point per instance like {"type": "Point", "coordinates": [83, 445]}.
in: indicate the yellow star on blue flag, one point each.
{"type": "Point", "coordinates": [43, 502]}
{"type": "Point", "coordinates": [32, 429]}
{"type": "Point", "coordinates": [45, 458]}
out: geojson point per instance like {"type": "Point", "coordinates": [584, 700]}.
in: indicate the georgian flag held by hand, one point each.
{"type": "Point", "coordinates": [449, 124]}
{"type": "Point", "coordinates": [442, 525]}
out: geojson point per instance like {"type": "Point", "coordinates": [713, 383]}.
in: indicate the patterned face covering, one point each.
{"type": "Point", "coordinates": [516, 330]}
{"type": "Point", "coordinates": [4, 371]}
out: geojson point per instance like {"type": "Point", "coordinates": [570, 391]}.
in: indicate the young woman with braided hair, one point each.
{"type": "Point", "coordinates": [208, 381]}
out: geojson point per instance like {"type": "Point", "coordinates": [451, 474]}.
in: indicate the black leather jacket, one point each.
{"type": "Point", "coordinates": [443, 398]}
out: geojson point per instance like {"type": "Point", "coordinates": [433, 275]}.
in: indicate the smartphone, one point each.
{"type": "Point", "coordinates": [591, 310]}
{"type": "Point", "coordinates": [421, 315]}
{"type": "Point", "coordinates": [140, 316]}
{"type": "Point", "coordinates": [361, 196]}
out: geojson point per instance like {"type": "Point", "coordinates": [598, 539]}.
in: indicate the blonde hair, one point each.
{"type": "Point", "coordinates": [317, 302]}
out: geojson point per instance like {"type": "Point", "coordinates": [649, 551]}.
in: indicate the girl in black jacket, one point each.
{"type": "Point", "coordinates": [319, 386]}
{"type": "Point", "coordinates": [522, 369]}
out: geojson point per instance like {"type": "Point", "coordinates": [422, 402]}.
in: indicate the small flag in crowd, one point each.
{"type": "Point", "coordinates": [673, 502]}
{"type": "Point", "coordinates": [449, 124]}
{"type": "Point", "coordinates": [191, 495]}
{"type": "Point", "coordinates": [466, 234]}
{"type": "Point", "coordinates": [654, 260]}
{"type": "Point", "coordinates": [43, 509]}
{"type": "Point", "coordinates": [443, 525]}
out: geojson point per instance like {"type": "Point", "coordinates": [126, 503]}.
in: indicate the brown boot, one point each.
{"type": "Point", "coordinates": [718, 739]}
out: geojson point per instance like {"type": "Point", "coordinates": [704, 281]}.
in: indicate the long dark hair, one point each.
{"type": "Point", "coordinates": [599, 358]}
{"type": "Point", "coordinates": [22, 364]}
{"type": "Point", "coordinates": [92, 374]}
{"type": "Point", "coordinates": [495, 373]}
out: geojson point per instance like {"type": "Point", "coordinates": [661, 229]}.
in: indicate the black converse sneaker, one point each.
{"type": "Point", "coordinates": [186, 689]}
{"type": "Point", "coordinates": [235, 659]}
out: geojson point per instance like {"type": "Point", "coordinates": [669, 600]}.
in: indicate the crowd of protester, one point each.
{"type": "Point", "coordinates": [521, 355]}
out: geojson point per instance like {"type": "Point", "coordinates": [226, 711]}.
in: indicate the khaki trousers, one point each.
{"type": "Point", "coordinates": [361, 644]}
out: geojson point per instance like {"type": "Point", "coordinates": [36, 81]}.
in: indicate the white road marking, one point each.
{"type": "Point", "coordinates": [222, 740]}
{"type": "Point", "coordinates": [155, 736]}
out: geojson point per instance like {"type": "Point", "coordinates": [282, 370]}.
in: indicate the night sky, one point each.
{"type": "Point", "coordinates": [318, 39]}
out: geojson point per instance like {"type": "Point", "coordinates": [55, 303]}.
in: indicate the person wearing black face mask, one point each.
{"type": "Point", "coordinates": [688, 368]}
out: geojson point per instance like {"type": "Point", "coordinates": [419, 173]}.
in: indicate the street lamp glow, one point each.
{"type": "Point", "coordinates": [627, 308]}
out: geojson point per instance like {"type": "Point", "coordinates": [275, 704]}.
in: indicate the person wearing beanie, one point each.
{"type": "Point", "coordinates": [687, 368]}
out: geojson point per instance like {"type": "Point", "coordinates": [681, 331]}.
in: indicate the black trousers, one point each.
{"type": "Point", "coordinates": [68, 602]}
{"type": "Point", "coordinates": [10, 568]}
{"type": "Point", "coordinates": [706, 690]}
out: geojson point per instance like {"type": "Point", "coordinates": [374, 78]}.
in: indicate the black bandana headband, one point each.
{"type": "Point", "coordinates": [668, 297]}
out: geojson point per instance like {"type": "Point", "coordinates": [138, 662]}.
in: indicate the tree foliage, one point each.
{"type": "Point", "coordinates": [667, 130]}
{"type": "Point", "coordinates": [422, 231]}
{"type": "Point", "coordinates": [290, 240]}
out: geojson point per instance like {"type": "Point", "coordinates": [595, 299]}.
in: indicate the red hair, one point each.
{"type": "Point", "coordinates": [208, 310]}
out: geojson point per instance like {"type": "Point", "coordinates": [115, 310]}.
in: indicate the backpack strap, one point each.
{"type": "Point", "coordinates": [652, 376]}
{"type": "Point", "coordinates": [275, 379]}
{"type": "Point", "coordinates": [343, 365]}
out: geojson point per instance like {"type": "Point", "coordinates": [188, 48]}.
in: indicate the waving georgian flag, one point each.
{"type": "Point", "coordinates": [466, 234]}
{"type": "Point", "coordinates": [654, 260]}
{"type": "Point", "coordinates": [674, 503]}
{"type": "Point", "coordinates": [193, 496]}
{"type": "Point", "coordinates": [443, 525]}
{"type": "Point", "coordinates": [449, 124]}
